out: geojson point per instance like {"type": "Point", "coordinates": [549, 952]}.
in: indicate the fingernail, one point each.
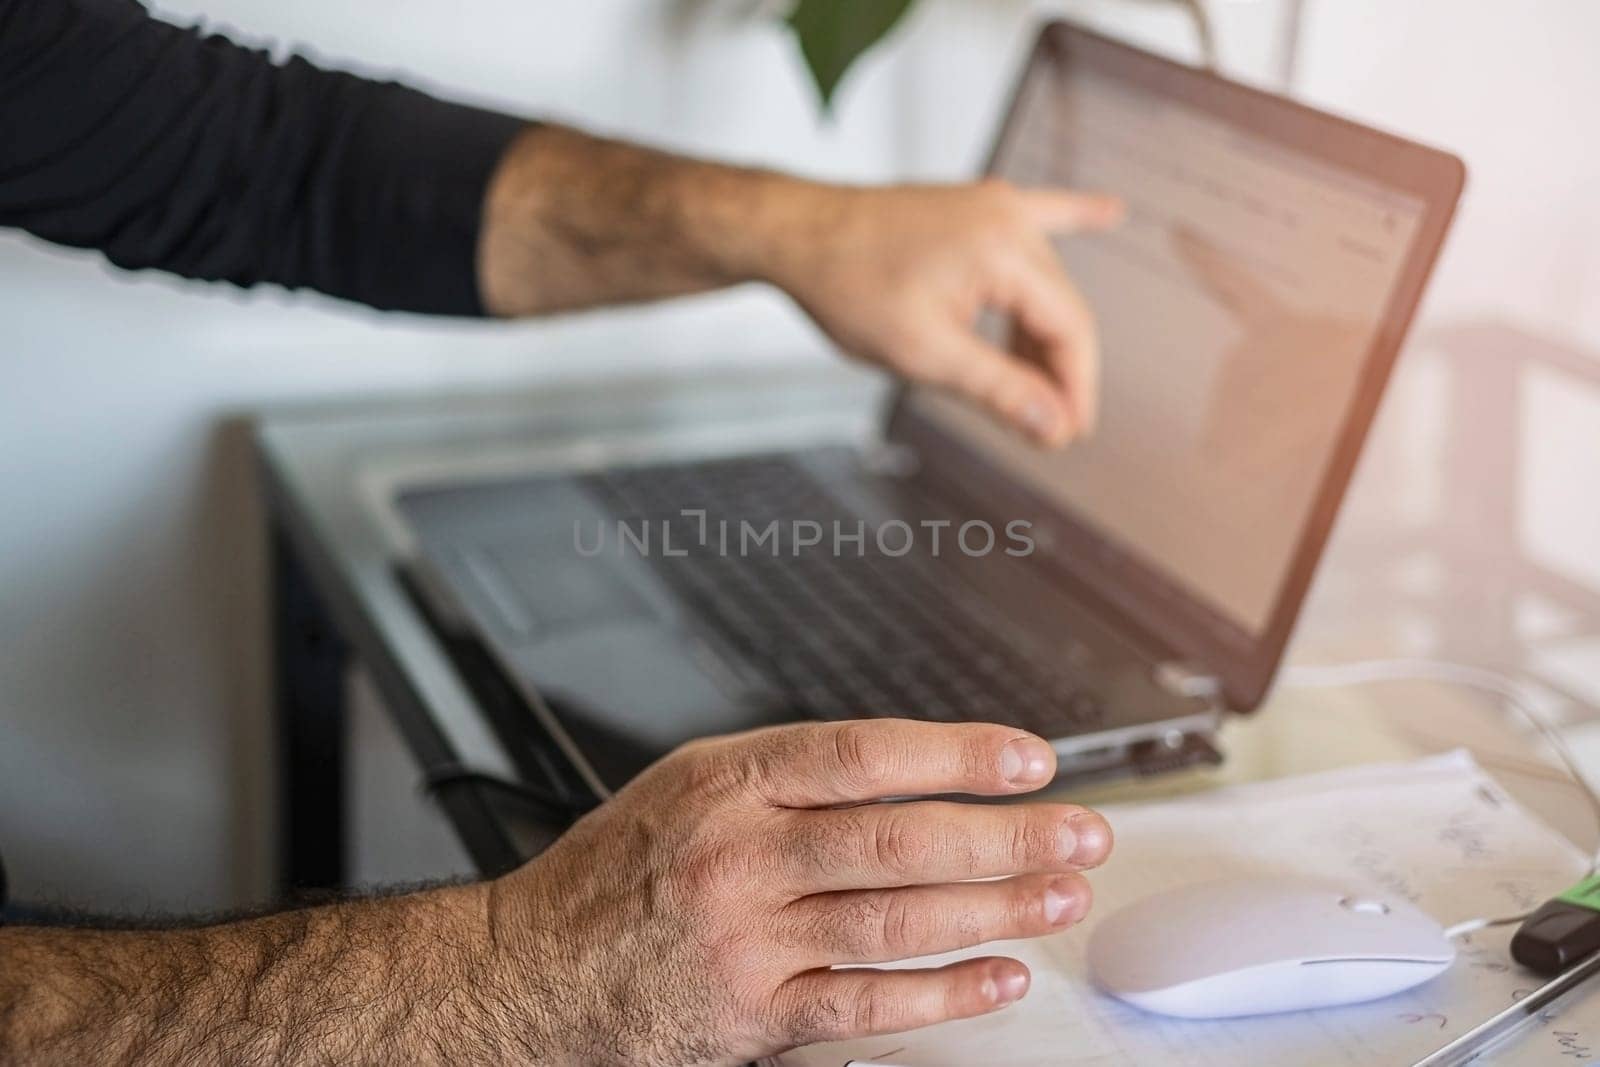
{"type": "Point", "coordinates": [1009, 986]}
{"type": "Point", "coordinates": [1056, 902]}
{"type": "Point", "coordinates": [1064, 903]}
{"type": "Point", "coordinates": [1055, 905]}
{"type": "Point", "coordinates": [1025, 760]}
{"type": "Point", "coordinates": [1092, 836]}
{"type": "Point", "coordinates": [1042, 419]}
{"type": "Point", "coordinates": [1067, 839]}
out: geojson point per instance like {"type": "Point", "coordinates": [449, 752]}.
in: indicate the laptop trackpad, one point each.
{"type": "Point", "coordinates": [630, 692]}
{"type": "Point", "coordinates": [535, 586]}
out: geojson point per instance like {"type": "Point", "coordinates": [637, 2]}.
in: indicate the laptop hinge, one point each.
{"type": "Point", "coordinates": [1183, 680]}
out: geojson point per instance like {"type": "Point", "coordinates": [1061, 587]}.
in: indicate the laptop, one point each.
{"type": "Point", "coordinates": [1119, 597]}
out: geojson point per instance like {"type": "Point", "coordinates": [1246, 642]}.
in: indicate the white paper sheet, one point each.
{"type": "Point", "coordinates": [1439, 832]}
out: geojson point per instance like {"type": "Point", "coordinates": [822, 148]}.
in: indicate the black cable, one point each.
{"type": "Point", "coordinates": [552, 809]}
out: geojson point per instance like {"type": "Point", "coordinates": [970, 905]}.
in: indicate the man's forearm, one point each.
{"type": "Point", "coordinates": [404, 979]}
{"type": "Point", "coordinates": [573, 221]}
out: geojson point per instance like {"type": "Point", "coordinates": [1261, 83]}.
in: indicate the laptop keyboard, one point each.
{"type": "Point", "coordinates": [849, 634]}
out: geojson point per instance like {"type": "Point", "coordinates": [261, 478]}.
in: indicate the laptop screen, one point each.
{"type": "Point", "coordinates": [1237, 306]}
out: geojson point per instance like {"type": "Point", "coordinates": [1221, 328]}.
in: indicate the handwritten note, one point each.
{"type": "Point", "coordinates": [1439, 832]}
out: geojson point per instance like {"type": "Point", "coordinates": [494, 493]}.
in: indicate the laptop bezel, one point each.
{"type": "Point", "coordinates": [1155, 610]}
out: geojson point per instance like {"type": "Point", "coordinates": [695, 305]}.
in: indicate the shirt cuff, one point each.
{"type": "Point", "coordinates": [412, 208]}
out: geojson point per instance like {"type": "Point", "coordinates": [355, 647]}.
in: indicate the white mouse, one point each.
{"type": "Point", "coordinates": [1259, 945]}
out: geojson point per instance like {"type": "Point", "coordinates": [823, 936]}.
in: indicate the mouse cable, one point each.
{"type": "Point", "coordinates": [1205, 32]}
{"type": "Point", "coordinates": [1511, 693]}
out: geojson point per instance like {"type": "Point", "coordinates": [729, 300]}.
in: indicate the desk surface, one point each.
{"type": "Point", "coordinates": [331, 472]}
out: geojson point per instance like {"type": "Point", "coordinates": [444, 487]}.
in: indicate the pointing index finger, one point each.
{"type": "Point", "coordinates": [1066, 211]}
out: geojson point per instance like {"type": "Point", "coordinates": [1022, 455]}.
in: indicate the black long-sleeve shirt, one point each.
{"type": "Point", "coordinates": [166, 148]}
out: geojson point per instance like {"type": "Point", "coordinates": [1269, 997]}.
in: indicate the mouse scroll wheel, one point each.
{"type": "Point", "coordinates": [1364, 905]}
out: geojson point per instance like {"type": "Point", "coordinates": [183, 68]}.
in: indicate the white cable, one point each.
{"type": "Point", "coordinates": [1293, 25]}
{"type": "Point", "coordinates": [1205, 32]}
{"type": "Point", "coordinates": [1508, 690]}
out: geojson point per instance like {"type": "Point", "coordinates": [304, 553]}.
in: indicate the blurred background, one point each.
{"type": "Point", "coordinates": [135, 767]}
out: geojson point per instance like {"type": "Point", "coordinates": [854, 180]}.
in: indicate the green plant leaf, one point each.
{"type": "Point", "coordinates": [834, 33]}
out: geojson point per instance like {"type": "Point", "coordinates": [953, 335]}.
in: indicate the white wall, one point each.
{"type": "Point", "coordinates": [1510, 87]}
{"type": "Point", "coordinates": [134, 747]}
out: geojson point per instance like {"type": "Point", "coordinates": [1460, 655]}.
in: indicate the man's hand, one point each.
{"type": "Point", "coordinates": [896, 276]}
{"type": "Point", "coordinates": [695, 918]}
{"type": "Point", "coordinates": [900, 276]}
